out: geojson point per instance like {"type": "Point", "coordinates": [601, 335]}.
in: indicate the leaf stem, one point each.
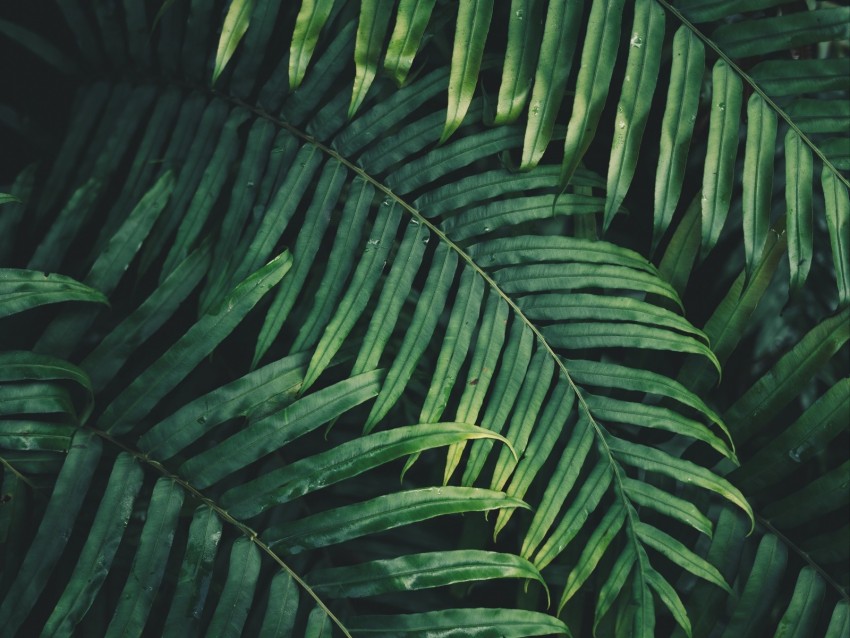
{"type": "Point", "coordinates": [749, 80]}
{"type": "Point", "coordinates": [246, 531]}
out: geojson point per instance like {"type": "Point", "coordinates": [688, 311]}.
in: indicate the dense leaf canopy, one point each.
{"type": "Point", "coordinates": [380, 318]}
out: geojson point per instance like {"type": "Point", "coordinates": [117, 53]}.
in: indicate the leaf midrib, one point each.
{"type": "Point", "coordinates": [599, 431]}
{"type": "Point", "coordinates": [246, 531]}
{"type": "Point", "coordinates": [755, 87]}
{"type": "Point", "coordinates": [425, 222]}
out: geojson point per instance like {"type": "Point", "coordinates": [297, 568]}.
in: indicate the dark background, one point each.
{"type": "Point", "coordinates": [35, 98]}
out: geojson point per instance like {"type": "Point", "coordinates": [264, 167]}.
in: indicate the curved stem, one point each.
{"type": "Point", "coordinates": [249, 533]}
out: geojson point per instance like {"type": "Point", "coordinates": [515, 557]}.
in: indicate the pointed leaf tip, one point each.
{"type": "Point", "coordinates": [235, 25]}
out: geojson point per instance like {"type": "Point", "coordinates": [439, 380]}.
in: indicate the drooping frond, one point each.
{"type": "Point", "coordinates": [537, 64]}
{"type": "Point", "coordinates": [319, 279]}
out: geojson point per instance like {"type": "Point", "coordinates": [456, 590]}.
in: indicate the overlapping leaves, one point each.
{"type": "Point", "coordinates": [424, 292]}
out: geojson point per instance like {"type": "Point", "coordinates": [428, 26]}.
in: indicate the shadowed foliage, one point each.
{"type": "Point", "coordinates": [380, 318]}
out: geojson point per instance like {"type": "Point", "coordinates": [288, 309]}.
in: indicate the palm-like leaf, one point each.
{"type": "Point", "coordinates": [427, 299]}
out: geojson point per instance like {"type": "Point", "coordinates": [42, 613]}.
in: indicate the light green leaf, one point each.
{"type": "Point", "coordinates": [510, 212]}
{"type": "Point", "coordinates": [679, 554]}
{"type": "Point", "coordinates": [535, 387]}
{"type": "Point", "coordinates": [549, 429]}
{"type": "Point", "coordinates": [554, 277]}
{"type": "Point", "coordinates": [420, 571]}
{"type": "Point", "coordinates": [586, 501]}
{"type": "Point", "coordinates": [327, 192]}
{"type": "Point", "coordinates": [418, 333]}
{"type": "Point", "coordinates": [235, 25]}
{"type": "Point", "coordinates": [343, 462]}
{"type": "Point", "coordinates": [371, 31]}
{"type": "Point", "coordinates": [706, 602]}
{"type": "Point", "coordinates": [576, 336]}
{"type": "Point", "coordinates": [652, 460]}
{"type": "Point", "coordinates": [593, 551]}
{"type": "Point", "coordinates": [641, 415]}
{"type": "Point", "coordinates": [268, 434]}
{"type": "Point", "coordinates": [488, 347]}
{"type": "Point", "coordinates": [838, 221]}
{"type": "Point", "coordinates": [758, 178]}
{"type": "Point", "coordinates": [528, 249]}
{"type": "Point", "coordinates": [136, 401]}
{"type": "Point", "coordinates": [311, 18]}
{"type": "Point", "coordinates": [359, 291]}
{"type": "Point", "coordinates": [647, 495]}
{"type": "Point", "coordinates": [383, 513]}
{"type": "Point", "coordinates": [473, 23]}
{"type": "Point", "coordinates": [318, 624]}
{"type": "Point", "coordinates": [839, 623]}
{"type": "Point", "coordinates": [613, 585]}
{"type": "Point", "coordinates": [412, 18]}
{"type": "Point", "coordinates": [560, 31]}
{"type": "Point", "coordinates": [455, 346]}
{"type": "Point", "coordinates": [561, 483]}
{"type": "Point", "coordinates": [645, 44]}
{"type": "Point", "coordinates": [641, 610]}
{"type": "Point", "coordinates": [512, 371]}
{"type": "Point", "coordinates": [581, 306]}
{"type": "Point", "coordinates": [394, 291]}
{"type": "Point", "coordinates": [594, 78]}
{"type": "Point", "coordinates": [474, 623]}
{"type": "Point", "coordinates": [798, 202]}
{"type": "Point", "coordinates": [801, 617]}
{"type": "Point", "coordinates": [680, 113]}
{"type": "Point", "coordinates": [21, 290]}
{"type": "Point", "coordinates": [719, 174]}
{"type": "Point", "coordinates": [611, 375]}
{"type": "Point", "coordinates": [494, 184]}
{"type": "Point", "coordinates": [670, 599]}
{"type": "Point", "coordinates": [521, 51]}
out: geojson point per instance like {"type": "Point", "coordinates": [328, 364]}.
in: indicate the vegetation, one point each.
{"type": "Point", "coordinates": [379, 318]}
